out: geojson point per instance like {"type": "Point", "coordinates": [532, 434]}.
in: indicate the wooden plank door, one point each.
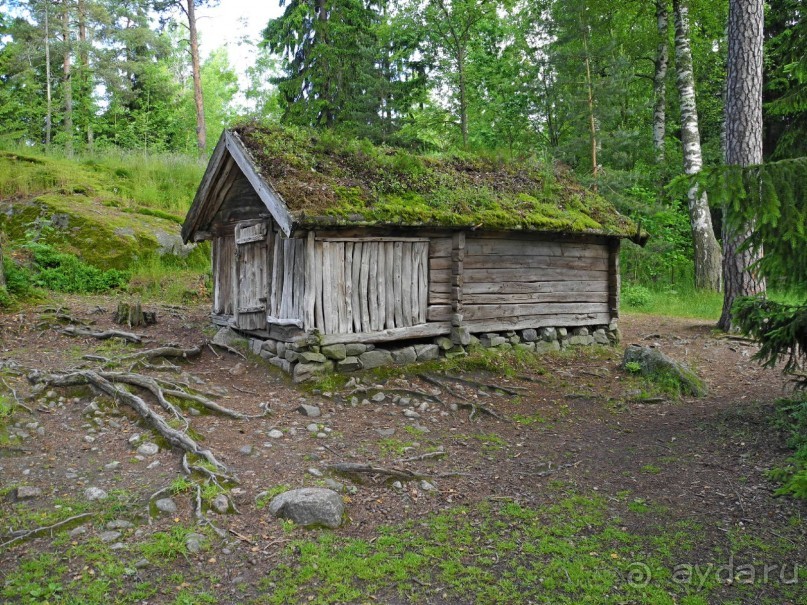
{"type": "Point", "coordinates": [251, 263]}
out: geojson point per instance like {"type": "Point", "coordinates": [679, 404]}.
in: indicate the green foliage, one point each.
{"type": "Point", "coordinates": [781, 330]}
{"type": "Point", "coordinates": [791, 417]}
{"type": "Point", "coordinates": [62, 272]}
{"type": "Point", "coordinates": [636, 296]}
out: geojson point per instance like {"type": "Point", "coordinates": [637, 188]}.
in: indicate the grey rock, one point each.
{"type": "Point", "coordinates": [426, 486]}
{"type": "Point", "coordinates": [547, 347]}
{"type": "Point", "coordinates": [291, 356]}
{"type": "Point", "coordinates": [404, 401]}
{"type": "Point", "coordinates": [194, 543]}
{"type": "Point", "coordinates": [267, 355]}
{"type": "Point", "coordinates": [336, 352]}
{"type": "Point", "coordinates": [514, 339]}
{"type": "Point", "coordinates": [461, 335]}
{"type": "Point", "coordinates": [349, 364]}
{"type": "Point", "coordinates": [280, 348]}
{"type": "Point", "coordinates": [405, 355]}
{"type": "Point", "coordinates": [312, 357]}
{"type": "Point", "coordinates": [581, 340]}
{"type": "Point", "coordinates": [142, 564]}
{"type": "Point", "coordinates": [444, 343]}
{"type": "Point", "coordinates": [375, 359]}
{"type": "Point", "coordinates": [582, 331]}
{"type": "Point", "coordinates": [654, 364]}
{"type": "Point", "coordinates": [615, 336]}
{"type": "Point", "coordinates": [281, 363]}
{"type": "Point", "coordinates": [355, 349]}
{"type": "Point", "coordinates": [171, 243]}
{"type": "Point", "coordinates": [78, 531]}
{"type": "Point", "coordinates": [397, 485]}
{"type": "Point", "coordinates": [313, 428]}
{"type": "Point", "coordinates": [306, 371]}
{"type": "Point", "coordinates": [456, 351]}
{"type": "Point", "coordinates": [315, 472]}
{"type": "Point", "coordinates": [95, 493]}
{"type": "Point", "coordinates": [548, 334]}
{"type": "Point", "coordinates": [119, 524]}
{"type": "Point", "coordinates": [134, 439]}
{"type": "Point", "coordinates": [427, 352]}
{"type": "Point", "coordinates": [109, 536]}
{"type": "Point", "coordinates": [335, 485]}
{"type": "Point", "coordinates": [492, 341]}
{"type": "Point", "coordinates": [112, 465]}
{"type": "Point", "coordinates": [27, 492]}
{"type": "Point", "coordinates": [529, 335]}
{"type": "Point", "coordinates": [228, 337]}
{"type": "Point", "coordinates": [386, 432]}
{"type": "Point", "coordinates": [275, 434]}
{"type": "Point", "coordinates": [269, 346]}
{"type": "Point", "coordinates": [378, 397]}
{"type": "Point", "coordinates": [166, 505]}
{"type": "Point", "coordinates": [562, 333]}
{"type": "Point", "coordinates": [411, 414]}
{"type": "Point", "coordinates": [220, 504]}
{"type": "Point", "coordinates": [309, 506]}
{"type": "Point", "coordinates": [255, 345]}
{"type": "Point", "coordinates": [246, 450]}
{"type": "Point", "coordinates": [148, 449]}
{"type": "Point", "coordinates": [456, 319]}
{"type": "Point", "coordinates": [311, 411]}
{"type": "Point", "coordinates": [601, 337]}
{"type": "Point", "coordinates": [89, 438]}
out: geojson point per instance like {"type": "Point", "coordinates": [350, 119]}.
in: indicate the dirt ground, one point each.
{"type": "Point", "coordinates": [579, 421]}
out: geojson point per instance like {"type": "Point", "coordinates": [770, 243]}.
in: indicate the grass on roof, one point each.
{"type": "Point", "coordinates": [323, 176]}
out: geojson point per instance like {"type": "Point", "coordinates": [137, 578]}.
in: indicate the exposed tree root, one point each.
{"type": "Point", "coordinates": [16, 399]}
{"type": "Point", "coordinates": [426, 456]}
{"type": "Point", "coordinates": [32, 533]}
{"type": "Point", "coordinates": [176, 438]}
{"type": "Point", "coordinates": [105, 335]}
{"type": "Point", "coordinates": [349, 468]}
{"type": "Point", "coordinates": [513, 391]}
{"type": "Point", "coordinates": [474, 407]}
{"type": "Point", "coordinates": [227, 348]}
{"type": "Point", "coordinates": [165, 351]}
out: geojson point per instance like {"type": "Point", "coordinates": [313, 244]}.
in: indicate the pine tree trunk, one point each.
{"type": "Point", "coordinates": [201, 134]}
{"type": "Point", "coordinates": [48, 92]}
{"type": "Point", "coordinates": [743, 139]}
{"type": "Point", "coordinates": [67, 83]}
{"type": "Point", "coordinates": [85, 85]}
{"type": "Point", "coordinates": [463, 95]}
{"type": "Point", "coordinates": [660, 81]}
{"type": "Point", "coordinates": [707, 250]}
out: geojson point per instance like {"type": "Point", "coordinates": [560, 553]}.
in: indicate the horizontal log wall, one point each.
{"type": "Point", "coordinates": [366, 285]}
{"type": "Point", "coordinates": [519, 283]}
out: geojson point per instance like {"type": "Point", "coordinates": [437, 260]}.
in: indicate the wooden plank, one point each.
{"type": "Point", "coordinates": [426, 330]}
{"type": "Point", "coordinates": [310, 287]}
{"type": "Point", "coordinates": [406, 284]}
{"type": "Point", "coordinates": [529, 275]}
{"type": "Point", "coordinates": [338, 268]}
{"type": "Point", "coordinates": [415, 284]}
{"type": "Point", "coordinates": [389, 278]}
{"type": "Point", "coordinates": [438, 263]}
{"type": "Point", "coordinates": [396, 282]}
{"type": "Point", "coordinates": [215, 251]}
{"type": "Point", "coordinates": [439, 247]}
{"type": "Point", "coordinates": [319, 312]}
{"type": "Point", "coordinates": [277, 278]}
{"type": "Point", "coordinates": [381, 285]}
{"type": "Point", "coordinates": [328, 301]}
{"type": "Point", "coordinates": [356, 288]}
{"type": "Point", "coordinates": [372, 286]}
{"type": "Point", "coordinates": [539, 287]}
{"type": "Point", "coordinates": [202, 198]}
{"type": "Point", "coordinates": [614, 277]}
{"type": "Point", "coordinates": [457, 270]}
{"type": "Point", "coordinates": [536, 263]}
{"type": "Point", "coordinates": [374, 239]}
{"type": "Point", "coordinates": [439, 313]}
{"type": "Point", "coordinates": [364, 279]}
{"type": "Point", "coordinates": [478, 246]}
{"type": "Point", "coordinates": [538, 321]}
{"type": "Point", "coordinates": [347, 263]}
{"type": "Point", "coordinates": [472, 312]}
{"type": "Point", "coordinates": [271, 199]}
{"type": "Point", "coordinates": [423, 278]}
{"type": "Point", "coordinates": [299, 277]}
{"type": "Point", "coordinates": [440, 276]}
{"type": "Point", "coordinates": [534, 297]}
{"type": "Point", "coordinates": [288, 279]}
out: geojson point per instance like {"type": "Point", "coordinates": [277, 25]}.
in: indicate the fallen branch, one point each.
{"type": "Point", "coordinates": [356, 468]}
{"type": "Point", "coordinates": [228, 348]}
{"type": "Point", "coordinates": [173, 436]}
{"type": "Point", "coordinates": [17, 399]}
{"type": "Point", "coordinates": [31, 533]}
{"type": "Point", "coordinates": [166, 351]}
{"type": "Point", "coordinates": [105, 335]}
{"type": "Point", "coordinates": [426, 456]}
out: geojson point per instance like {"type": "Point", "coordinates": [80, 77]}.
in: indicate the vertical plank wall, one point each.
{"type": "Point", "coordinates": [287, 286]}
{"type": "Point", "coordinates": [250, 241]}
{"type": "Point", "coordinates": [521, 282]}
{"type": "Point", "coordinates": [223, 273]}
{"type": "Point", "coordinates": [362, 285]}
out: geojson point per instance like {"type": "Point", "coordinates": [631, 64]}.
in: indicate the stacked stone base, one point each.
{"type": "Point", "coordinates": [305, 358]}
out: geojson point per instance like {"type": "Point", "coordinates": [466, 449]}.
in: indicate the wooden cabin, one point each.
{"type": "Point", "coordinates": [319, 243]}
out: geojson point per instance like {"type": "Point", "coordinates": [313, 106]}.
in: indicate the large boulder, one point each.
{"type": "Point", "coordinates": [655, 365]}
{"type": "Point", "coordinates": [309, 506]}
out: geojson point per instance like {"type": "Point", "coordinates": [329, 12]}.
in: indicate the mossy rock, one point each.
{"type": "Point", "coordinates": [656, 366]}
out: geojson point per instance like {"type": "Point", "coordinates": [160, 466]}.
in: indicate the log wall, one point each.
{"type": "Point", "coordinates": [223, 274]}
{"type": "Point", "coordinates": [521, 282]}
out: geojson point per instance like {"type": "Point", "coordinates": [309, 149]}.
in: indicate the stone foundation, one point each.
{"type": "Point", "coordinates": [305, 358]}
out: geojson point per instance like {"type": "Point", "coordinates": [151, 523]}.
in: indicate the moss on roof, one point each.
{"type": "Point", "coordinates": [325, 179]}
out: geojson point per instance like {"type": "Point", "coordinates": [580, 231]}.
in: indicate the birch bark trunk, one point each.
{"type": "Point", "coordinates": [660, 80]}
{"type": "Point", "coordinates": [743, 140]}
{"type": "Point", "coordinates": [707, 250]}
{"type": "Point", "coordinates": [67, 82]}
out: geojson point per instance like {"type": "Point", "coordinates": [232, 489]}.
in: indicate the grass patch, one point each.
{"type": "Point", "coordinates": [791, 417]}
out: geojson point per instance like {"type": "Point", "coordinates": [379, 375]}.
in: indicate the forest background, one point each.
{"type": "Point", "coordinates": [629, 95]}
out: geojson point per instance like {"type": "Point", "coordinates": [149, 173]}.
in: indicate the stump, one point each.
{"type": "Point", "coordinates": [132, 315]}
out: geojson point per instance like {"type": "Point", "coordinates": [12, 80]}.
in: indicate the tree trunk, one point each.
{"type": "Point", "coordinates": [48, 92]}
{"type": "Point", "coordinates": [707, 250]}
{"type": "Point", "coordinates": [660, 81]}
{"type": "Point", "coordinates": [85, 85]}
{"type": "Point", "coordinates": [201, 134]}
{"type": "Point", "coordinates": [463, 95]}
{"type": "Point", "coordinates": [743, 140]}
{"type": "Point", "coordinates": [67, 83]}
{"type": "Point", "coordinates": [592, 121]}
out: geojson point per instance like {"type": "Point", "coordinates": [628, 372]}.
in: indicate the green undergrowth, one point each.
{"type": "Point", "coordinates": [791, 418]}
{"type": "Point", "coordinates": [576, 550]}
{"type": "Point", "coordinates": [320, 174]}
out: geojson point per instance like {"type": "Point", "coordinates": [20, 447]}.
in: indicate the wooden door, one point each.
{"type": "Point", "coordinates": [251, 263]}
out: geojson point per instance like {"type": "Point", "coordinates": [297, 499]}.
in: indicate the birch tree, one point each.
{"type": "Point", "coordinates": [707, 250]}
{"type": "Point", "coordinates": [743, 142]}
{"type": "Point", "coordinates": [660, 80]}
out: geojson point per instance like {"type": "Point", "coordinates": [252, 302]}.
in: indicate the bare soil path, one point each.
{"type": "Point", "coordinates": [577, 425]}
